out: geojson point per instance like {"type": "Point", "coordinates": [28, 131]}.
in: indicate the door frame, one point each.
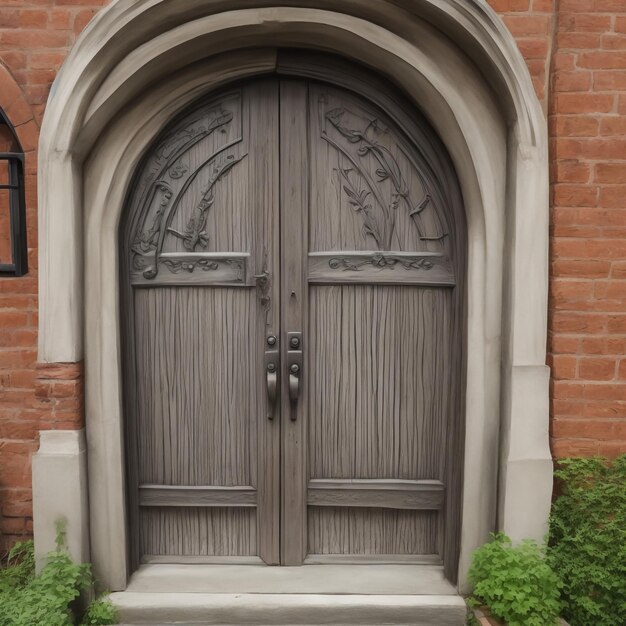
{"type": "Point", "coordinates": [108, 105]}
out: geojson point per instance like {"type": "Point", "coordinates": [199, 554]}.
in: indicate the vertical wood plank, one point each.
{"type": "Point", "coordinates": [169, 531]}
{"type": "Point", "coordinates": [264, 181]}
{"type": "Point", "coordinates": [379, 382]}
{"type": "Point", "coordinates": [294, 206]}
{"type": "Point", "coordinates": [371, 531]}
{"type": "Point", "coordinates": [196, 388]}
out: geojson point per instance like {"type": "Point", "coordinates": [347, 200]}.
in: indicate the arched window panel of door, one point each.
{"type": "Point", "coordinates": [13, 245]}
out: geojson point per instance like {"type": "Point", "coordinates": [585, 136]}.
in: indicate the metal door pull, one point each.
{"type": "Point", "coordinates": [272, 360]}
{"type": "Point", "coordinates": [294, 368]}
{"type": "Point", "coordinates": [294, 382]}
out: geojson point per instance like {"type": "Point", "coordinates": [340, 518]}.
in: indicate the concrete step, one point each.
{"type": "Point", "coordinates": [187, 609]}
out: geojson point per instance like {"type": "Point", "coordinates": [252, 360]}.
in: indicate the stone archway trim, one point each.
{"type": "Point", "coordinates": [107, 106]}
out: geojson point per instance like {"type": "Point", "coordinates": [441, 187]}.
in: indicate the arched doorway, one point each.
{"type": "Point", "coordinates": [140, 63]}
{"type": "Point", "coordinates": [293, 295]}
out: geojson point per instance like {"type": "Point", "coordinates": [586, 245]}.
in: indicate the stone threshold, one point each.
{"type": "Point", "coordinates": [202, 609]}
{"type": "Point", "coordinates": [206, 595]}
{"type": "Point", "coordinates": [387, 579]}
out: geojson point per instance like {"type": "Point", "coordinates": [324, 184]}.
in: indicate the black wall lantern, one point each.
{"type": "Point", "coordinates": [13, 247]}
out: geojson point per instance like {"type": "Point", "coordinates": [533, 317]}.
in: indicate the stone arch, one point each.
{"type": "Point", "coordinates": [139, 62]}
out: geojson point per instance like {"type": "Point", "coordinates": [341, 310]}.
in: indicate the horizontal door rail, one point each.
{"type": "Point", "coordinates": [379, 493]}
{"type": "Point", "coordinates": [195, 268]}
{"type": "Point", "coordinates": [430, 269]}
{"type": "Point", "coordinates": [175, 559]}
{"type": "Point", "coordinates": [174, 495]}
{"type": "Point", "coordinates": [372, 559]}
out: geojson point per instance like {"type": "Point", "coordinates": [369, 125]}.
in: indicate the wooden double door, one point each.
{"type": "Point", "coordinates": [291, 273]}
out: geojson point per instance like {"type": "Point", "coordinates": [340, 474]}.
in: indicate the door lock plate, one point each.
{"type": "Point", "coordinates": [294, 367]}
{"type": "Point", "coordinates": [272, 372]}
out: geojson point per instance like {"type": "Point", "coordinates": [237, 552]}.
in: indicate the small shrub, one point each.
{"type": "Point", "coordinates": [99, 613]}
{"type": "Point", "coordinates": [47, 599]}
{"type": "Point", "coordinates": [18, 568]}
{"type": "Point", "coordinates": [588, 540]}
{"type": "Point", "coordinates": [515, 582]}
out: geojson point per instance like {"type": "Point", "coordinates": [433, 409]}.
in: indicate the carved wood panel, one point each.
{"type": "Point", "coordinates": [372, 196]}
{"type": "Point", "coordinates": [190, 204]}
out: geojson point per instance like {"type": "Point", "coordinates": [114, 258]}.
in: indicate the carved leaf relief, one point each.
{"type": "Point", "coordinates": [148, 238]}
{"type": "Point", "coordinates": [179, 170]}
{"type": "Point", "coordinates": [379, 261]}
{"type": "Point", "coordinates": [195, 233]}
{"type": "Point", "coordinates": [161, 199]}
{"type": "Point", "coordinates": [207, 265]}
{"type": "Point", "coordinates": [374, 184]}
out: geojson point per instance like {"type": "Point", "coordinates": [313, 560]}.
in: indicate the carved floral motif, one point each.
{"type": "Point", "coordinates": [207, 265]}
{"type": "Point", "coordinates": [380, 261]}
{"type": "Point", "coordinates": [381, 228]}
{"type": "Point", "coordinates": [179, 170]}
{"type": "Point", "coordinates": [195, 233]}
{"type": "Point", "coordinates": [149, 238]}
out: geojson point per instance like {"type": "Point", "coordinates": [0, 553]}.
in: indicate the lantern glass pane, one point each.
{"type": "Point", "coordinates": [6, 252]}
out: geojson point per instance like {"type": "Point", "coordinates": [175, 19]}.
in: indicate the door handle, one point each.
{"type": "Point", "coordinates": [294, 368]}
{"type": "Point", "coordinates": [272, 361]}
{"type": "Point", "coordinates": [294, 383]}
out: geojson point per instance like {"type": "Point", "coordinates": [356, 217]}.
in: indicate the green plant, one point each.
{"type": "Point", "coordinates": [18, 568]}
{"type": "Point", "coordinates": [471, 620]}
{"type": "Point", "coordinates": [100, 612]}
{"type": "Point", "coordinates": [588, 540]}
{"type": "Point", "coordinates": [49, 598]}
{"type": "Point", "coordinates": [516, 582]}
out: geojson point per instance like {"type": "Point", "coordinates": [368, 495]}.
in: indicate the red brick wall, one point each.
{"type": "Point", "coordinates": [35, 36]}
{"type": "Point", "coordinates": [576, 54]}
{"type": "Point", "coordinates": [588, 285]}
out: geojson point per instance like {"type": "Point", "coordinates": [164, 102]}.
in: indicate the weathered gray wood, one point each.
{"type": "Point", "coordinates": [373, 559]}
{"type": "Point", "coordinates": [201, 223]}
{"type": "Point", "coordinates": [197, 531]}
{"type": "Point", "coordinates": [378, 406]}
{"type": "Point", "coordinates": [193, 268]}
{"type": "Point", "coordinates": [192, 171]}
{"type": "Point", "coordinates": [367, 190]}
{"type": "Point", "coordinates": [198, 361]}
{"type": "Point", "coordinates": [371, 531]}
{"type": "Point", "coordinates": [430, 269]}
{"type": "Point", "coordinates": [294, 187]}
{"type": "Point", "coordinates": [264, 190]}
{"type": "Point", "coordinates": [383, 268]}
{"type": "Point", "coordinates": [174, 495]}
{"type": "Point", "coordinates": [422, 147]}
{"type": "Point", "coordinates": [383, 493]}
{"type": "Point", "coordinates": [369, 268]}
{"type": "Point", "coordinates": [152, 559]}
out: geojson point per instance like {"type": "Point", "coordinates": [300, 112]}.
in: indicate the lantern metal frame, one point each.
{"type": "Point", "coordinates": [17, 204]}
